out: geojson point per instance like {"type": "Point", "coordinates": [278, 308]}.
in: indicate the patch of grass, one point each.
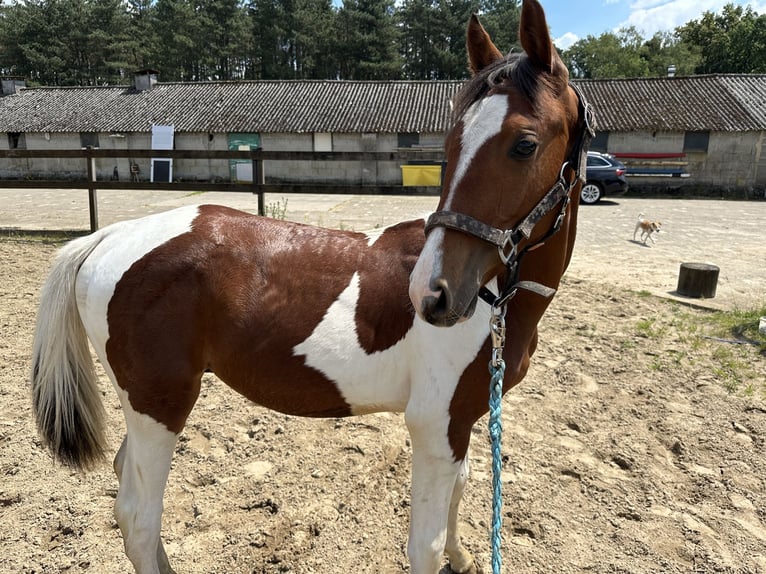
{"type": "Point", "coordinates": [742, 325]}
{"type": "Point", "coordinates": [728, 339]}
{"type": "Point", "coordinates": [649, 329]}
{"type": "Point", "coordinates": [732, 370]}
{"type": "Point", "coordinates": [45, 236]}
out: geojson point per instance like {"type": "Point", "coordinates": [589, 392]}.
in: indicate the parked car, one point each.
{"type": "Point", "coordinates": [605, 176]}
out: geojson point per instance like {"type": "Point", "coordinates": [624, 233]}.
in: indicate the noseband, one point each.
{"type": "Point", "coordinates": [508, 241]}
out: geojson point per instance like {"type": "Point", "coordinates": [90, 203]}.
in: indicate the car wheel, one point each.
{"type": "Point", "coordinates": [590, 193]}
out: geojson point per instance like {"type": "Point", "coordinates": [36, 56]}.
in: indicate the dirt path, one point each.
{"type": "Point", "coordinates": [624, 452]}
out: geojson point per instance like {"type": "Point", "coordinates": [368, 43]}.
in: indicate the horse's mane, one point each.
{"type": "Point", "coordinates": [515, 70]}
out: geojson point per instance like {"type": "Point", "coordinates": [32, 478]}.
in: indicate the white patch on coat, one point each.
{"type": "Point", "coordinates": [426, 363]}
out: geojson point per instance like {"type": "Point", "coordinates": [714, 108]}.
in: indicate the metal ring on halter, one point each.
{"type": "Point", "coordinates": [507, 240]}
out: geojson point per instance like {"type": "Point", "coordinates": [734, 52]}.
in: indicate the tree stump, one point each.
{"type": "Point", "coordinates": [697, 280]}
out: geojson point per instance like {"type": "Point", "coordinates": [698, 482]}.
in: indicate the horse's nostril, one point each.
{"type": "Point", "coordinates": [441, 302]}
{"type": "Point", "coordinates": [436, 306]}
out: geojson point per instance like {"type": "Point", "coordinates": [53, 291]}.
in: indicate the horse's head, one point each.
{"type": "Point", "coordinates": [513, 157]}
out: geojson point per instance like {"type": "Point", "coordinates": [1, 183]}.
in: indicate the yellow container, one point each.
{"type": "Point", "coordinates": [421, 175]}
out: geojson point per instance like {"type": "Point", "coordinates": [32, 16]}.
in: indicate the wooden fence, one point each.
{"type": "Point", "coordinates": [257, 186]}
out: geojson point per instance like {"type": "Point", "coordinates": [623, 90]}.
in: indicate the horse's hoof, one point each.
{"type": "Point", "coordinates": [472, 569]}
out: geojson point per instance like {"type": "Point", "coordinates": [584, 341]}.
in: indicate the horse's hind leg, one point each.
{"type": "Point", "coordinates": [142, 465]}
{"type": "Point", "coordinates": [460, 560]}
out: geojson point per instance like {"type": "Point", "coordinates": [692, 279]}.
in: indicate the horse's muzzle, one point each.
{"type": "Point", "coordinates": [442, 308]}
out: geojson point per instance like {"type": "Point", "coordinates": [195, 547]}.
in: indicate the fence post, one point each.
{"type": "Point", "coordinates": [258, 181]}
{"type": "Point", "coordinates": [92, 197]}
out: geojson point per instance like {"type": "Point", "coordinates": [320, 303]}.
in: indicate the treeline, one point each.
{"type": "Point", "coordinates": [730, 42]}
{"type": "Point", "coordinates": [98, 42]}
{"type": "Point", "coordinates": [95, 42]}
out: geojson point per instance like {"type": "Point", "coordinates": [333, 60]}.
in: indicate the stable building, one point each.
{"type": "Point", "coordinates": [705, 132]}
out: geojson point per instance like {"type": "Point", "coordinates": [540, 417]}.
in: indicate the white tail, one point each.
{"type": "Point", "coordinates": [65, 396]}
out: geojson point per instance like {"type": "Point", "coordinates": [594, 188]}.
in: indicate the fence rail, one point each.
{"type": "Point", "coordinates": [257, 186]}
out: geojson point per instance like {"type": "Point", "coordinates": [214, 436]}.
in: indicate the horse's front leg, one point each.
{"type": "Point", "coordinates": [460, 560]}
{"type": "Point", "coordinates": [434, 476]}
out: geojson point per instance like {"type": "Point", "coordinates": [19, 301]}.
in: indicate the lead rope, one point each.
{"type": "Point", "coordinates": [496, 370]}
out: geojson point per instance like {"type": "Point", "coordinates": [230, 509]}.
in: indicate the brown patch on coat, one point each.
{"type": "Point", "coordinates": [235, 296]}
{"type": "Point", "coordinates": [385, 314]}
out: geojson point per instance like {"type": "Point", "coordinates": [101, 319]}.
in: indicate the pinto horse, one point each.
{"type": "Point", "coordinates": [327, 323]}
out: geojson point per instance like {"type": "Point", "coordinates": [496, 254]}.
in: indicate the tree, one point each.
{"type": "Point", "coordinates": [315, 39]}
{"type": "Point", "coordinates": [733, 41]}
{"type": "Point", "coordinates": [106, 41]}
{"type": "Point", "coordinates": [368, 41]}
{"type": "Point", "coordinates": [65, 42]}
{"type": "Point", "coordinates": [665, 49]}
{"type": "Point", "coordinates": [271, 45]}
{"type": "Point", "coordinates": [416, 20]}
{"type": "Point", "coordinates": [501, 19]}
{"type": "Point", "coordinates": [608, 56]}
{"type": "Point", "coordinates": [220, 39]}
{"type": "Point", "coordinates": [176, 27]}
{"type": "Point", "coordinates": [142, 39]}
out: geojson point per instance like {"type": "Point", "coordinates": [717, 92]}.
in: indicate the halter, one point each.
{"type": "Point", "coordinates": [508, 241]}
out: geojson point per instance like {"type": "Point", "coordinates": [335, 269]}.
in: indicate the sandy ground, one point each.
{"type": "Point", "coordinates": [634, 445]}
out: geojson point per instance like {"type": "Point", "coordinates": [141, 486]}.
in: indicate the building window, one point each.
{"type": "Point", "coordinates": [322, 141]}
{"type": "Point", "coordinates": [600, 142]}
{"type": "Point", "coordinates": [17, 140]}
{"type": "Point", "coordinates": [408, 139]}
{"type": "Point", "coordinates": [88, 139]}
{"type": "Point", "coordinates": [696, 141]}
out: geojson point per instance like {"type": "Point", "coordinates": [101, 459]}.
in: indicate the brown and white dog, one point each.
{"type": "Point", "coordinates": [647, 227]}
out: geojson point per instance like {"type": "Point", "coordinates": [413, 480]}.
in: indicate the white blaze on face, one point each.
{"type": "Point", "coordinates": [482, 121]}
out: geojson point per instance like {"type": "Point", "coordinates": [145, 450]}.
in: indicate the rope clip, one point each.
{"type": "Point", "coordinates": [497, 332]}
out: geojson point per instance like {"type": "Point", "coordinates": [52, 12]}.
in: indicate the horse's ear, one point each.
{"type": "Point", "coordinates": [481, 51]}
{"type": "Point", "coordinates": [535, 37]}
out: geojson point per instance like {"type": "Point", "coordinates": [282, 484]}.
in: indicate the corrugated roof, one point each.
{"type": "Point", "coordinates": [696, 103]}
{"type": "Point", "coordinates": [268, 106]}
{"type": "Point", "coordinates": [717, 103]}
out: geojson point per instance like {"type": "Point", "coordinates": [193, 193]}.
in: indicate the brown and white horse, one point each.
{"type": "Point", "coordinates": [320, 323]}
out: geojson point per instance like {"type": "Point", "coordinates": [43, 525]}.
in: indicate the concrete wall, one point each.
{"type": "Point", "coordinates": [362, 173]}
{"type": "Point", "coordinates": [730, 162]}
{"type": "Point", "coordinates": [354, 172]}
{"type": "Point", "coordinates": [38, 168]}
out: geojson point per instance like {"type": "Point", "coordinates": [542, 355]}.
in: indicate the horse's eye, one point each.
{"type": "Point", "coordinates": [523, 149]}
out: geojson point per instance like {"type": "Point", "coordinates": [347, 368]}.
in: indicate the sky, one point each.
{"type": "Point", "coordinates": [572, 20]}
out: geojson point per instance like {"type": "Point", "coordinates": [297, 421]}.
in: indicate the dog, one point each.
{"type": "Point", "coordinates": [647, 227]}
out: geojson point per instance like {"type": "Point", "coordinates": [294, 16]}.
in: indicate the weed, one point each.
{"type": "Point", "coordinates": [649, 329]}
{"type": "Point", "coordinates": [733, 367]}
{"type": "Point", "coordinates": [278, 209]}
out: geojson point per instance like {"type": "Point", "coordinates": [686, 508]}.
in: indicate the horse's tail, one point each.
{"type": "Point", "coordinates": [65, 396]}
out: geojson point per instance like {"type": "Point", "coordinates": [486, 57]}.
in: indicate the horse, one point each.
{"type": "Point", "coordinates": [327, 323]}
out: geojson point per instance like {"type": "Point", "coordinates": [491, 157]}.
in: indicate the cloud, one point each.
{"type": "Point", "coordinates": [650, 16]}
{"type": "Point", "coordinates": [565, 41]}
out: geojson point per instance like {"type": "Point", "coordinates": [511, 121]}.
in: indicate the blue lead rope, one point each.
{"type": "Point", "coordinates": [496, 433]}
{"type": "Point", "coordinates": [496, 370]}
